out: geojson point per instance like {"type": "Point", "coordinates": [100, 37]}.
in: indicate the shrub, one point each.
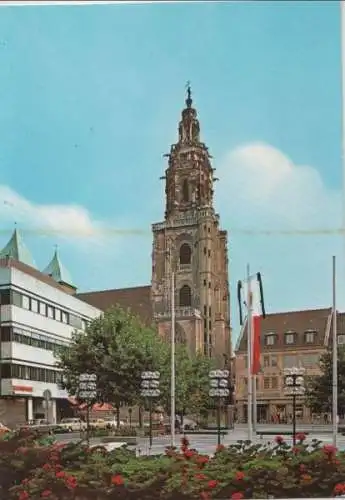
{"type": "Point", "coordinates": [34, 469]}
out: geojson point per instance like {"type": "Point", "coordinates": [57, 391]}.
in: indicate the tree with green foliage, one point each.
{"type": "Point", "coordinates": [117, 348]}
{"type": "Point", "coordinates": [319, 388]}
{"type": "Point", "coordinates": [191, 381]}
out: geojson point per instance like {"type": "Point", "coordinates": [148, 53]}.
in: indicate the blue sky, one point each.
{"type": "Point", "coordinates": [90, 99]}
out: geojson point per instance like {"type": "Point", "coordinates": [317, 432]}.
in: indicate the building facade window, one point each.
{"type": "Point", "coordinates": [274, 383]}
{"type": "Point", "coordinates": [185, 296]}
{"type": "Point", "coordinates": [185, 191]}
{"type": "Point", "coordinates": [31, 338]}
{"type": "Point", "coordinates": [185, 254]}
{"type": "Point", "coordinates": [341, 339]}
{"type": "Point", "coordinates": [266, 361]}
{"type": "Point", "coordinates": [25, 302]}
{"type": "Point", "coordinates": [289, 361]}
{"type": "Point", "coordinates": [274, 361]}
{"type": "Point", "coordinates": [290, 338]}
{"type": "Point", "coordinates": [34, 305]}
{"type": "Point", "coordinates": [266, 383]}
{"type": "Point", "coordinates": [12, 297]}
{"type": "Point", "coordinates": [270, 339]}
{"type": "Point", "coordinates": [309, 337]}
{"type": "Point", "coordinates": [24, 372]}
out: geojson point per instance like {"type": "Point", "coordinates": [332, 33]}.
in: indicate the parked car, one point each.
{"type": "Point", "coordinates": [72, 425]}
{"type": "Point", "coordinates": [190, 425]}
{"type": "Point", "coordinates": [111, 423]}
{"type": "Point", "coordinates": [98, 423]}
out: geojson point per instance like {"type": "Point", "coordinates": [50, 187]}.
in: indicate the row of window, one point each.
{"type": "Point", "coordinates": [23, 372]}
{"type": "Point", "coordinates": [268, 383]}
{"type": "Point", "coordinates": [291, 338]}
{"type": "Point", "coordinates": [12, 297]}
{"type": "Point", "coordinates": [27, 337]}
{"type": "Point", "coordinates": [288, 361]}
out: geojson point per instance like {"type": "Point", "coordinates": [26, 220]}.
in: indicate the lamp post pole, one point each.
{"type": "Point", "coordinates": [294, 386]}
{"type": "Point", "coordinates": [219, 380]}
{"type": "Point", "coordinates": [149, 390]}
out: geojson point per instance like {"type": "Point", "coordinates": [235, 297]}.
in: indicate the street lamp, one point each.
{"type": "Point", "coordinates": [87, 391]}
{"type": "Point", "coordinates": [294, 386]}
{"type": "Point", "coordinates": [149, 390]}
{"type": "Point", "coordinates": [219, 380]}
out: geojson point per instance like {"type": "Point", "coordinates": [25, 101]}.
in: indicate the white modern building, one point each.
{"type": "Point", "coordinates": [38, 312]}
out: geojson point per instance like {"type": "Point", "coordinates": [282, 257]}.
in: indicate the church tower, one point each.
{"type": "Point", "coordinates": [190, 244]}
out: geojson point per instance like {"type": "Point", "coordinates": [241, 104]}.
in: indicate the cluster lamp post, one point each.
{"type": "Point", "coordinates": [87, 391]}
{"type": "Point", "coordinates": [150, 390]}
{"type": "Point", "coordinates": [294, 386]}
{"type": "Point", "coordinates": [219, 381]}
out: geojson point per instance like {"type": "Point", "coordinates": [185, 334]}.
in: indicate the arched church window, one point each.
{"type": "Point", "coordinates": [185, 191]}
{"type": "Point", "coordinates": [185, 296]}
{"type": "Point", "coordinates": [185, 254]}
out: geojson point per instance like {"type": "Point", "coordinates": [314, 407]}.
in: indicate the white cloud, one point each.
{"type": "Point", "coordinates": [64, 221]}
{"type": "Point", "coordinates": [261, 188]}
{"type": "Point", "coordinates": [269, 189]}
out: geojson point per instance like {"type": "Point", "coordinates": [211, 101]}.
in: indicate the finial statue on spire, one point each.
{"type": "Point", "coordinates": [189, 95]}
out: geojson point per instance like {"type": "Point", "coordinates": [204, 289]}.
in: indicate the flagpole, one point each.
{"type": "Point", "coordinates": [255, 406]}
{"type": "Point", "coordinates": [249, 358]}
{"type": "Point", "coordinates": [172, 415]}
{"type": "Point", "coordinates": [334, 360]}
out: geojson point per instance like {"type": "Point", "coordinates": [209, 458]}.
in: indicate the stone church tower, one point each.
{"type": "Point", "coordinates": [190, 244]}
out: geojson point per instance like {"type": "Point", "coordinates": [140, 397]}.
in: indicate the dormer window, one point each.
{"type": "Point", "coordinates": [309, 336]}
{"type": "Point", "coordinates": [270, 339]}
{"type": "Point", "coordinates": [341, 339]}
{"type": "Point", "coordinates": [290, 338]}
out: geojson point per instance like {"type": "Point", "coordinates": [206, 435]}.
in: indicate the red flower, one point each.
{"type": "Point", "coordinates": [329, 449]}
{"type": "Point", "coordinates": [279, 440]}
{"type": "Point", "coordinates": [46, 467]}
{"type": "Point", "coordinates": [239, 475]}
{"type": "Point", "coordinates": [302, 468]}
{"type": "Point", "coordinates": [300, 436]}
{"type": "Point", "coordinates": [220, 448]}
{"type": "Point", "coordinates": [237, 496]}
{"type": "Point", "coordinates": [60, 474]}
{"type": "Point", "coordinates": [212, 484]}
{"type": "Point", "coordinates": [46, 493]}
{"type": "Point", "coordinates": [295, 450]}
{"type": "Point", "coordinates": [202, 459]}
{"type": "Point", "coordinates": [200, 477]}
{"type": "Point", "coordinates": [339, 489]}
{"type": "Point", "coordinates": [184, 442]}
{"type": "Point", "coordinates": [204, 495]}
{"type": "Point", "coordinates": [71, 482]}
{"type": "Point", "coordinates": [117, 480]}
{"type": "Point", "coordinates": [189, 453]}
{"type": "Point", "coordinates": [23, 495]}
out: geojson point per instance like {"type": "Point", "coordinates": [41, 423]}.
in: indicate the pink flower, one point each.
{"type": "Point", "coordinates": [46, 493]}
{"type": "Point", "coordinates": [23, 495]}
{"type": "Point", "coordinates": [212, 483]}
{"type": "Point", "coordinates": [301, 436]}
{"type": "Point", "coordinates": [237, 496]}
{"type": "Point", "coordinates": [279, 439]}
{"type": "Point", "coordinates": [329, 449]}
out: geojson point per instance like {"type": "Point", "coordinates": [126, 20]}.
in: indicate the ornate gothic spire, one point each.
{"type": "Point", "coordinates": [189, 128]}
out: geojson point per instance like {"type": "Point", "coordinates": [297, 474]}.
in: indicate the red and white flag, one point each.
{"type": "Point", "coordinates": [255, 304]}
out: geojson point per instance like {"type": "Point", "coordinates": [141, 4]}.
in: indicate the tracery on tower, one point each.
{"type": "Point", "coordinates": [189, 176]}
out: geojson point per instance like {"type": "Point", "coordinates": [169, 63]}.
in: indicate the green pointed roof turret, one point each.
{"type": "Point", "coordinates": [58, 272]}
{"type": "Point", "coordinates": [17, 250]}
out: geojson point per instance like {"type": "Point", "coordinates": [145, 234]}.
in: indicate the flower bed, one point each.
{"type": "Point", "coordinates": [32, 468]}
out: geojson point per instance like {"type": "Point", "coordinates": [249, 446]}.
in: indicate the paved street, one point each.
{"type": "Point", "coordinates": [206, 443]}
